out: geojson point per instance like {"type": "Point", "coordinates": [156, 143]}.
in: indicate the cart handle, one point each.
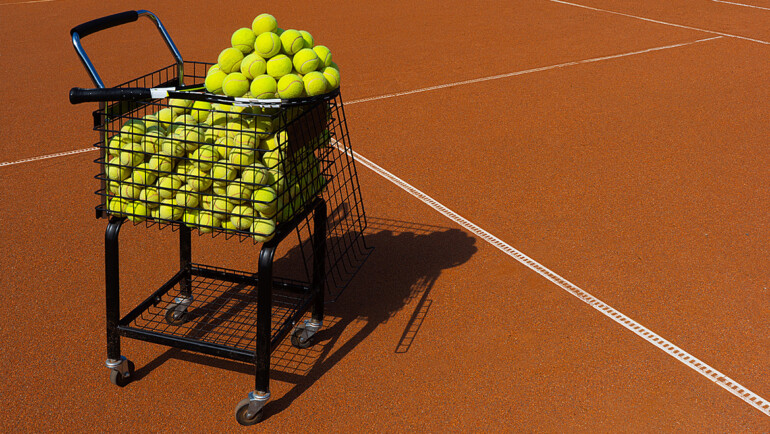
{"type": "Point", "coordinates": [99, 24]}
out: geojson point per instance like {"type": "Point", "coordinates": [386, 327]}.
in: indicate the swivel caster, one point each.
{"type": "Point", "coordinates": [121, 371]}
{"type": "Point", "coordinates": [176, 312]}
{"type": "Point", "coordinates": [303, 335]}
{"type": "Point", "coordinates": [250, 411]}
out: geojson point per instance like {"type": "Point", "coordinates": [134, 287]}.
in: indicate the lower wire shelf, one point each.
{"type": "Point", "coordinates": [220, 319]}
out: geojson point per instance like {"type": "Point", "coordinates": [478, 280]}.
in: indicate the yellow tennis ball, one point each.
{"type": "Point", "coordinates": [230, 59]}
{"type": "Point", "coordinates": [306, 60]}
{"type": "Point", "coordinates": [290, 86]}
{"type": "Point", "coordinates": [117, 206]}
{"type": "Point", "coordinates": [161, 163]}
{"type": "Point", "coordinates": [223, 171]}
{"type": "Point", "coordinates": [137, 212]}
{"type": "Point", "coordinates": [267, 45]}
{"type": "Point", "coordinates": [235, 84]}
{"type": "Point", "coordinates": [169, 210]}
{"type": "Point", "coordinates": [243, 39]}
{"type": "Point", "coordinates": [264, 87]}
{"type": "Point", "coordinates": [291, 42]}
{"type": "Point", "coordinates": [332, 77]}
{"type": "Point", "coordinates": [207, 222]}
{"type": "Point", "coordinates": [213, 82]}
{"type": "Point", "coordinates": [199, 180]}
{"type": "Point", "coordinates": [214, 68]}
{"type": "Point", "coordinates": [241, 157]}
{"type": "Point", "coordinates": [271, 159]}
{"type": "Point", "coordinates": [180, 106]}
{"type": "Point", "coordinates": [254, 175]}
{"type": "Point", "coordinates": [264, 23]}
{"type": "Point", "coordinates": [151, 197]}
{"type": "Point", "coordinates": [187, 197]}
{"type": "Point", "coordinates": [200, 110]}
{"type": "Point", "coordinates": [204, 157]}
{"type": "Point", "coordinates": [324, 56]}
{"type": "Point", "coordinates": [238, 192]}
{"type": "Point", "coordinates": [143, 175]}
{"type": "Point", "coordinates": [253, 65]}
{"type": "Point", "coordinates": [168, 185]}
{"type": "Point", "coordinates": [263, 230]}
{"type": "Point", "coordinates": [242, 216]}
{"type": "Point", "coordinates": [131, 154]}
{"type": "Point", "coordinates": [279, 66]}
{"type": "Point", "coordinates": [315, 83]}
{"type": "Point", "coordinates": [308, 38]}
{"type": "Point", "coordinates": [264, 201]}
{"type": "Point", "coordinates": [276, 180]}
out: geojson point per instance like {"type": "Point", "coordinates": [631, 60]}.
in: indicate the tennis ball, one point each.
{"type": "Point", "coordinates": [276, 180]}
{"type": "Point", "coordinates": [315, 83]}
{"type": "Point", "coordinates": [223, 145]}
{"type": "Point", "coordinates": [190, 217]}
{"type": "Point", "coordinates": [132, 131]}
{"type": "Point", "coordinates": [151, 197]}
{"type": "Point", "coordinates": [253, 65]}
{"type": "Point", "coordinates": [308, 38]}
{"type": "Point", "coordinates": [189, 136]}
{"type": "Point", "coordinates": [214, 81]}
{"type": "Point", "coordinates": [180, 106]}
{"type": "Point", "coordinates": [143, 175]}
{"type": "Point", "coordinates": [254, 175]}
{"type": "Point", "coordinates": [267, 45]}
{"type": "Point", "coordinates": [242, 217]}
{"type": "Point", "coordinates": [324, 55]}
{"type": "Point", "coordinates": [131, 154]}
{"type": "Point", "coordinates": [243, 40]}
{"type": "Point", "coordinates": [235, 84]}
{"type": "Point", "coordinates": [237, 191]}
{"type": "Point", "coordinates": [117, 206]}
{"type": "Point", "coordinates": [223, 171]}
{"type": "Point", "coordinates": [291, 42]}
{"type": "Point", "coordinates": [204, 157]}
{"type": "Point", "coordinates": [198, 180]}
{"type": "Point", "coordinates": [137, 212]}
{"type": "Point", "coordinates": [264, 201]}
{"type": "Point", "coordinates": [187, 197]}
{"type": "Point", "coordinates": [219, 187]}
{"type": "Point", "coordinates": [332, 77]}
{"type": "Point", "coordinates": [221, 205]}
{"type": "Point", "coordinates": [284, 209]}
{"type": "Point", "coordinates": [245, 140]}
{"type": "Point", "coordinates": [264, 23]}
{"type": "Point", "coordinates": [263, 87]}
{"type": "Point", "coordinates": [115, 171]}
{"type": "Point", "coordinates": [200, 111]}
{"type": "Point", "coordinates": [306, 60]}
{"type": "Point", "coordinates": [290, 86]}
{"type": "Point", "coordinates": [229, 60]}
{"type": "Point", "coordinates": [172, 148]}
{"type": "Point", "coordinates": [166, 115]}
{"type": "Point", "coordinates": [160, 163]}
{"type": "Point", "coordinates": [279, 66]}
{"type": "Point", "coordinates": [168, 185]}
{"type": "Point", "coordinates": [130, 191]}
{"type": "Point", "coordinates": [207, 222]}
{"type": "Point", "coordinates": [271, 159]}
{"type": "Point", "coordinates": [169, 211]}
{"type": "Point", "coordinates": [263, 230]}
{"type": "Point", "coordinates": [241, 157]}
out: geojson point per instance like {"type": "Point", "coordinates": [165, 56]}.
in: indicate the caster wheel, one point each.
{"type": "Point", "coordinates": [297, 341]}
{"type": "Point", "coordinates": [121, 380]}
{"type": "Point", "coordinates": [175, 318]}
{"type": "Point", "coordinates": [241, 411]}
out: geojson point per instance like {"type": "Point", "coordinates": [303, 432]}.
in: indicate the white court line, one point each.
{"type": "Point", "coordinates": [45, 157]}
{"type": "Point", "coordinates": [660, 22]}
{"type": "Point", "coordinates": [741, 4]}
{"type": "Point", "coordinates": [672, 350]}
{"type": "Point", "coordinates": [23, 3]}
{"type": "Point", "coordinates": [529, 71]}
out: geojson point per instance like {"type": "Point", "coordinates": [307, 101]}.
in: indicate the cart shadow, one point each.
{"type": "Point", "coordinates": [397, 278]}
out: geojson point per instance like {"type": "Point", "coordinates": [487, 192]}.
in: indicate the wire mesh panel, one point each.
{"type": "Point", "coordinates": [234, 170]}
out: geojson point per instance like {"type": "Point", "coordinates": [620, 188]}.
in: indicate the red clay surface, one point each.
{"type": "Point", "coordinates": [641, 179]}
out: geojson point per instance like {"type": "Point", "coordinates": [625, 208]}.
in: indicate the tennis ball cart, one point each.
{"type": "Point", "coordinates": [261, 171]}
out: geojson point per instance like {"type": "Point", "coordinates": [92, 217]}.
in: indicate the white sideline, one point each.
{"type": "Point", "coordinates": [529, 71]}
{"type": "Point", "coordinates": [23, 3]}
{"type": "Point", "coordinates": [741, 4]}
{"type": "Point", "coordinates": [659, 22]}
{"type": "Point", "coordinates": [672, 350]}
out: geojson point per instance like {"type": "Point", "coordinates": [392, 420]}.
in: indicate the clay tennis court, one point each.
{"type": "Point", "coordinates": [567, 203]}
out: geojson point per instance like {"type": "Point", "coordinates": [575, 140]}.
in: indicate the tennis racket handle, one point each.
{"type": "Point", "coordinates": [79, 95]}
{"type": "Point", "coordinates": [103, 23]}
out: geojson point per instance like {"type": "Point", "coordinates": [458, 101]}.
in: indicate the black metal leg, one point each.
{"type": "Point", "coordinates": [112, 280]}
{"type": "Point", "coordinates": [264, 313]}
{"type": "Point", "coordinates": [185, 259]}
{"type": "Point", "coordinates": [319, 260]}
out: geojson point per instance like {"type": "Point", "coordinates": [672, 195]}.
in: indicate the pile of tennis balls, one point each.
{"type": "Point", "coordinates": [267, 62]}
{"type": "Point", "coordinates": [216, 166]}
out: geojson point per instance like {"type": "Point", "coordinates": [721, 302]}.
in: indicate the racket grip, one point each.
{"type": "Point", "coordinates": [103, 23]}
{"type": "Point", "coordinates": [79, 95]}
